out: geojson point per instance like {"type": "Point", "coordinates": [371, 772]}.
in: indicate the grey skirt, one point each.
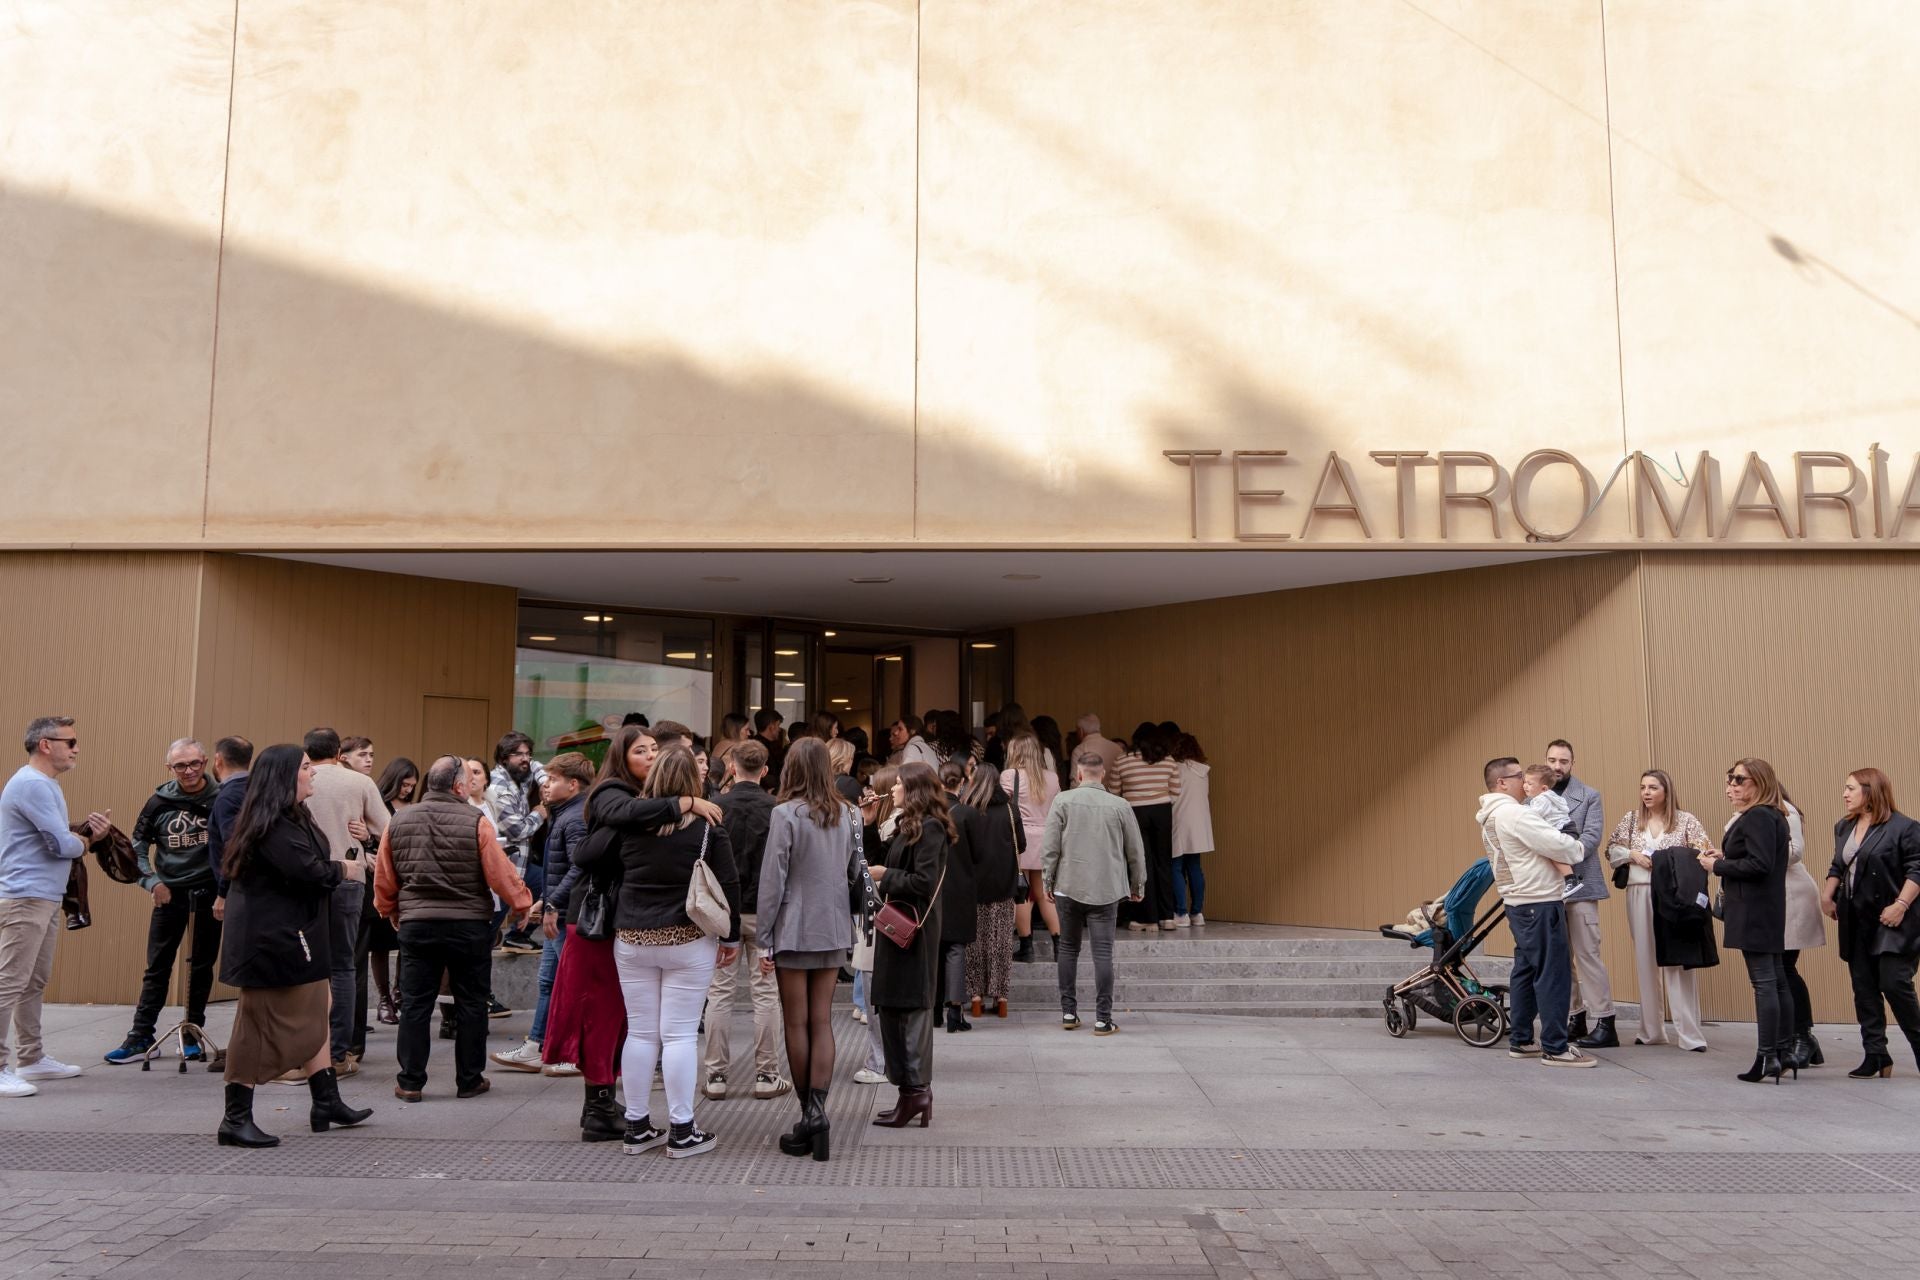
{"type": "Point", "coordinates": [810, 959]}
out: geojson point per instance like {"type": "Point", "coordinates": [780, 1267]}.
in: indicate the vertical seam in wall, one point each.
{"type": "Point", "coordinates": [219, 269]}
{"type": "Point", "coordinates": [1613, 231]}
{"type": "Point", "coordinates": [918, 35]}
{"type": "Point", "coordinates": [194, 727]}
{"type": "Point", "coordinates": [1646, 662]}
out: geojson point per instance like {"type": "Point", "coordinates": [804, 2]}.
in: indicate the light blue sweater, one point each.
{"type": "Point", "coordinates": [35, 842]}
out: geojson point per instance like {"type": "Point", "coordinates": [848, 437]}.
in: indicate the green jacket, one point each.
{"type": "Point", "coordinates": [1092, 851]}
{"type": "Point", "coordinates": [170, 837]}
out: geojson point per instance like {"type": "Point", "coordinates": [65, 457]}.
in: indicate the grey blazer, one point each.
{"type": "Point", "coordinates": [1589, 828]}
{"type": "Point", "coordinates": [804, 897]}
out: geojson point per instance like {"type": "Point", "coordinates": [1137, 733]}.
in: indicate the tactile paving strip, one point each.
{"type": "Point", "coordinates": [1899, 1167]}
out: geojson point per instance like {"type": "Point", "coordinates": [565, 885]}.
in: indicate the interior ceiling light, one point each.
{"type": "Point", "coordinates": [719, 577]}
{"type": "Point", "coordinates": [689, 657]}
{"type": "Point", "coordinates": [786, 653]}
{"type": "Point", "coordinates": [867, 582]}
{"type": "Point", "coordinates": [843, 702]}
{"type": "Point", "coordinates": [1021, 577]}
{"type": "Point", "coordinates": [594, 617]}
{"type": "Point", "coordinates": [795, 684]}
{"type": "Point", "coordinates": [543, 637]}
{"type": "Point", "coordinates": [785, 675]}
{"type": "Point", "coordinates": [978, 644]}
{"type": "Point", "coordinates": [829, 634]}
{"type": "Point", "coordinates": [892, 657]}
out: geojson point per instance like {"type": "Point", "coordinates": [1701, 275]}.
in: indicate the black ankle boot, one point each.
{"type": "Point", "coordinates": [1577, 1027]}
{"type": "Point", "coordinates": [601, 1119]}
{"type": "Point", "coordinates": [1603, 1037]}
{"type": "Point", "coordinates": [1765, 1064]}
{"type": "Point", "coordinates": [1815, 1058]}
{"type": "Point", "coordinates": [237, 1128]}
{"type": "Point", "coordinates": [956, 1021]}
{"type": "Point", "coordinates": [328, 1109]}
{"type": "Point", "coordinates": [1794, 1054]}
{"type": "Point", "coordinates": [1023, 950]}
{"type": "Point", "coordinates": [1875, 1066]}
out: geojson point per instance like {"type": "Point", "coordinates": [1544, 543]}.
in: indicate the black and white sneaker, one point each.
{"type": "Point", "coordinates": [1069, 1022]}
{"type": "Point", "coordinates": [642, 1136]}
{"type": "Point", "coordinates": [1105, 1027]}
{"type": "Point", "coordinates": [691, 1143]}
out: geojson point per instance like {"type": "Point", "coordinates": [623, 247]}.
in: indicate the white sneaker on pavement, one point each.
{"type": "Point", "coordinates": [46, 1069]}
{"type": "Point", "coordinates": [559, 1069]}
{"type": "Point", "coordinates": [12, 1086]}
{"type": "Point", "coordinates": [864, 1076]}
{"type": "Point", "coordinates": [525, 1058]}
{"type": "Point", "coordinates": [770, 1086]}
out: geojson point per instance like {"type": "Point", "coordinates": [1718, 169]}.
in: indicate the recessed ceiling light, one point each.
{"type": "Point", "coordinates": [843, 702]}
{"type": "Point", "coordinates": [829, 634]}
{"type": "Point", "coordinates": [683, 657]}
{"type": "Point", "coordinates": [892, 657]}
{"type": "Point", "coordinates": [795, 684]}
{"type": "Point", "coordinates": [978, 644]}
{"type": "Point", "coordinates": [1021, 577]}
{"type": "Point", "coordinates": [593, 617]}
{"type": "Point", "coordinates": [543, 638]}
{"type": "Point", "coordinates": [786, 653]}
{"type": "Point", "coordinates": [784, 674]}
{"type": "Point", "coordinates": [865, 582]}
{"type": "Point", "coordinates": [719, 577]}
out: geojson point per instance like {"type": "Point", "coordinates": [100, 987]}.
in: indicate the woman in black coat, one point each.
{"type": "Point", "coordinates": [958, 921]}
{"type": "Point", "coordinates": [993, 835]}
{"type": "Point", "coordinates": [1871, 887]}
{"type": "Point", "coordinates": [903, 977]}
{"type": "Point", "coordinates": [281, 878]}
{"type": "Point", "coordinates": [1752, 865]}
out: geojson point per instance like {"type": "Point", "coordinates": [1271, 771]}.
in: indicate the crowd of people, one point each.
{"type": "Point", "coordinates": [1542, 830]}
{"type": "Point", "coordinates": [659, 879]}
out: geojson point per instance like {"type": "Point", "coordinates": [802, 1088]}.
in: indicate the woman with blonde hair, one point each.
{"type": "Point", "coordinates": [1658, 823]}
{"type": "Point", "coordinates": [1031, 785]}
{"type": "Point", "coordinates": [1752, 866]}
{"type": "Point", "coordinates": [840, 754]}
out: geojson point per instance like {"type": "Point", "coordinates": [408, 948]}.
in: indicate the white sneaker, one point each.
{"type": "Point", "coordinates": [1197, 919]}
{"type": "Point", "coordinates": [12, 1086]}
{"type": "Point", "coordinates": [864, 1076]}
{"type": "Point", "coordinates": [770, 1086]}
{"type": "Point", "coordinates": [47, 1069]}
{"type": "Point", "coordinates": [1181, 922]}
{"type": "Point", "coordinates": [559, 1069]}
{"type": "Point", "coordinates": [525, 1058]}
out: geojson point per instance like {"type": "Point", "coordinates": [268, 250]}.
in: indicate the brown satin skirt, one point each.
{"type": "Point", "coordinates": [275, 1030]}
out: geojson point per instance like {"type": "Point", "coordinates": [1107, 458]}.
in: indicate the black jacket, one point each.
{"type": "Point", "coordinates": [1888, 858]}
{"type": "Point", "coordinates": [748, 809]}
{"type": "Point", "coordinates": [655, 869]}
{"type": "Point", "coordinates": [170, 837]}
{"type": "Point", "coordinates": [959, 916]}
{"type": "Point", "coordinates": [276, 925]}
{"type": "Point", "coordinates": [903, 978]}
{"type": "Point", "coordinates": [567, 830]}
{"type": "Point", "coordinates": [226, 807]}
{"type": "Point", "coordinates": [996, 863]}
{"type": "Point", "coordinates": [1682, 927]}
{"type": "Point", "coordinates": [1754, 872]}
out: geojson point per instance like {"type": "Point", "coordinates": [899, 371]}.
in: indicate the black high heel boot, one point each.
{"type": "Point", "coordinates": [957, 1021]}
{"type": "Point", "coordinates": [237, 1128]}
{"type": "Point", "coordinates": [913, 1103]}
{"type": "Point", "coordinates": [1876, 1066]}
{"type": "Point", "coordinates": [798, 1140]}
{"type": "Point", "coordinates": [1765, 1063]}
{"type": "Point", "coordinates": [820, 1138]}
{"type": "Point", "coordinates": [1810, 1049]}
{"type": "Point", "coordinates": [1794, 1054]}
{"type": "Point", "coordinates": [328, 1109]}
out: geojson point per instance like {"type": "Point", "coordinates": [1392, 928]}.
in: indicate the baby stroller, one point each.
{"type": "Point", "coordinates": [1447, 987]}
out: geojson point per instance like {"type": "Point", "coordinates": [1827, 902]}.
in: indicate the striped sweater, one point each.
{"type": "Point", "coordinates": [1140, 783]}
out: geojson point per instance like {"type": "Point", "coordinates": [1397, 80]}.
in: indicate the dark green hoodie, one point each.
{"type": "Point", "coordinates": [170, 837]}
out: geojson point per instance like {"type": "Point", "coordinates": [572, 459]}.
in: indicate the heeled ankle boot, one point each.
{"type": "Point", "coordinates": [328, 1109]}
{"type": "Point", "coordinates": [1794, 1054]}
{"type": "Point", "coordinates": [601, 1119]}
{"type": "Point", "coordinates": [957, 1021]}
{"type": "Point", "coordinates": [913, 1103]}
{"type": "Point", "coordinates": [1765, 1063]}
{"type": "Point", "coordinates": [1810, 1049]}
{"type": "Point", "coordinates": [799, 1140]}
{"type": "Point", "coordinates": [237, 1128]}
{"type": "Point", "coordinates": [1023, 950]}
{"type": "Point", "coordinates": [1876, 1066]}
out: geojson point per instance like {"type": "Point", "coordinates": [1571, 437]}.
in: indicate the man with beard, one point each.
{"type": "Point", "coordinates": [514, 792]}
{"type": "Point", "coordinates": [1592, 990]}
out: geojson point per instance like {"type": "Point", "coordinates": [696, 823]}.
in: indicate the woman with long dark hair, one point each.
{"type": "Point", "coordinates": [1054, 749]}
{"type": "Point", "coordinates": [399, 787]}
{"type": "Point", "coordinates": [993, 835]}
{"type": "Point", "coordinates": [1871, 888]}
{"type": "Point", "coordinates": [1752, 866]}
{"type": "Point", "coordinates": [281, 877]}
{"type": "Point", "coordinates": [663, 957]}
{"type": "Point", "coordinates": [806, 930]}
{"type": "Point", "coordinates": [904, 977]}
{"type": "Point", "coordinates": [959, 920]}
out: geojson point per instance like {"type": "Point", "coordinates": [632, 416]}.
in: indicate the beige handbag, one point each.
{"type": "Point", "coordinates": [706, 900]}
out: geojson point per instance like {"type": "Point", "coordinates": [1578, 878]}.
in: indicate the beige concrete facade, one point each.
{"type": "Point", "coordinates": [968, 268]}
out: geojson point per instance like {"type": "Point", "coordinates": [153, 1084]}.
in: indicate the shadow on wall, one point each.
{"type": "Point", "coordinates": [348, 413]}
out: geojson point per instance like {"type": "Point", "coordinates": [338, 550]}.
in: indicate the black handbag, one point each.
{"type": "Point", "coordinates": [600, 852]}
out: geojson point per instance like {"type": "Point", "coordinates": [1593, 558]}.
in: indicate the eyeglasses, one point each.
{"type": "Point", "coordinates": [187, 766]}
{"type": "Point", "coordinates": [1738, 779]}
{"type": "Point", "coordinates": [1509, 777]}
{"type": "Point", "coordinates": [72, 742]}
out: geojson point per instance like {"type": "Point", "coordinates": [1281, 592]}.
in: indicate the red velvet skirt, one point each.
{"type": "Point", "coordinates": [586, 1015]}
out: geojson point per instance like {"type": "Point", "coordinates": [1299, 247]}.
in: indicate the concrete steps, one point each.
{"type": "Point", "coordinates": [1239, 969]}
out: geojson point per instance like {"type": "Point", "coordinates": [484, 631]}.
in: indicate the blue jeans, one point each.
{"type": "Point", "coordinates": [549, 965]}
{"type": "Point", "coordinates": [1189, 885]}
{"type": "Point", "coordinates": [860, 990]}
{"type": "Point", "coordinates": [343, 935]}
{"type": "Point", "coordinates": [1542, 981]}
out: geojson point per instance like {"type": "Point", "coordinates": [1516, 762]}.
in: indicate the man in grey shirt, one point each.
{"type": "Point", "coordinates": [1091, 857]}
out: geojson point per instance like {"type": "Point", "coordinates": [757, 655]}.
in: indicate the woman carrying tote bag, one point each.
{"type": "Point", "coordinates": [904, 975]}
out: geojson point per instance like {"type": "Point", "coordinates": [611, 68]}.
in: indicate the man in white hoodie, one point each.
{"type": "Point", "coordinates": [1522, 848]}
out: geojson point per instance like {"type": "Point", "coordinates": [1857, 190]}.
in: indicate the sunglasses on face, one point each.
{"type": "Point", "coordinates": [1738, 779]}
{"type": "Point", "coordinates": [71, 742]}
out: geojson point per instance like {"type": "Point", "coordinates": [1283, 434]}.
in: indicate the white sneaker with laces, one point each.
{"type": "Point", "coordinates": [1196, 919]}
{"type": "Point", "coordinates": [1181, 922]}
{"type": "Point", "coordinates": [559, 1069]}
{"type": "Point", "coordinates": [766, 1086]}
{"type": "Point", "coordinates": [525, 1058]}
{"type": "Point", "coordinates": [12, 1086]}
{"type": "Point", "coordinates": [47, 1069]}
{"type": "Point", "coordinates": [864, 1076]}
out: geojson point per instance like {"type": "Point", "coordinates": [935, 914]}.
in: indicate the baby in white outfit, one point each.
{"type": "Point", "coordinates": [1537, 783]}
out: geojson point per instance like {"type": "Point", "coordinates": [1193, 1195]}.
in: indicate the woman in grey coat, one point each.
{"type": "Point", "coordinates": [806, 929]}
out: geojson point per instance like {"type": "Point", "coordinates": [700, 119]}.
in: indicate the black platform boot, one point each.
{"type": "Point", "coordinates": [601, 1119]}
{"type": "Point", "coordinates": [811, 1125]}
{"type": "Point", "coordinates": [1023, 950]}
{"type": "Point", "coordinates": [237, 1128]}
{"type": "Point", "coordinates": [328, 1109]}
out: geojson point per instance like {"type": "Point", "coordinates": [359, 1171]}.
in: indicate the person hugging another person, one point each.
{"type": "Point", "coordinates": [1537, 783]}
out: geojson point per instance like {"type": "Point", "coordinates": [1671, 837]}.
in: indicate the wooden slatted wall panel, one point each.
{"type": "Point", "coordinates": [105, 637]}
{"type": "Point", "coordinates": [1806, 660]}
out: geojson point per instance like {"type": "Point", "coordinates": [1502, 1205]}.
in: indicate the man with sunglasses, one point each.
{"type": "Point", "coordinates": [170, 846]}
{"type": "Point", "coordinates": [37, 851]}
{"type": "Point", "coordinates": [1521, 849]}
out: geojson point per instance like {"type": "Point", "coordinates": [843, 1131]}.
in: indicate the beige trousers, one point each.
{"type": "Point", "coordinates": [1592, 989]}
{"type": "Point", "coordinates": [1682, 991]}
{"type": "Point", "coordinates": [28, 930]}
{"type": "Point", "coordinates": [767, 1028]}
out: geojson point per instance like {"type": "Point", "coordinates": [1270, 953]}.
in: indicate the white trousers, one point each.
{"type": "Point", "coordinates": [1682, 990]}
{"type": "Point", "coordinates": [1592, 990]}
{"type": "Point", "coordinates": [664, 989]}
